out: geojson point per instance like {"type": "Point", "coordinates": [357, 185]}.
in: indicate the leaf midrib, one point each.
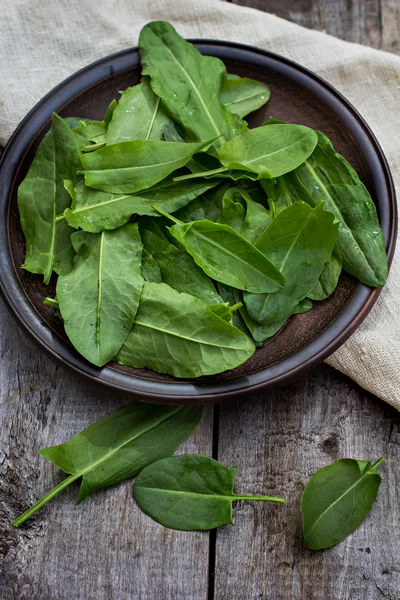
{"type": "Point", "coordinates": [328, 508]}
{"type": "Point", "coordinates": [147, 166]}
{"type": "Point", "coordinates": [287, 255]}
{"type": "Point", "coordinates": [137, 196]}
{"type": "Point", "coordinates": [125, 443]}
{"type": "Point", "coordinates": [49, 269]}
{"type": "Point", "coordinates": [185, 337]}
{"type": "Point", "coordinates": [243, 99]}
{"type": "Point", "coordinates": [338, 214]}
{"type": "Point", "coordinates": [261, 156]}
{"type": "Point", "coordinates": [166, 491]}
{"type": "Point", "coordinates": [99, 291]}
{"type": "Point", "coordinates": [216, 129]}
{"type": "Point", "coordinates": [152, 120]}
{"type": "Point", "coordinates": [235, 256]}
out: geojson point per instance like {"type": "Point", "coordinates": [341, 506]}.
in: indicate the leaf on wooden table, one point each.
{"type": "Point", "coordinates": [118, 447]}
{"type": "Point", "coordinates": [189, 492]}
{"type": "Point", "coordinates": [337, 499]}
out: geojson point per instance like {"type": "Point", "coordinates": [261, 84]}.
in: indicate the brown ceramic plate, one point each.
{"type": "Point", "coordinates": [297, 95]}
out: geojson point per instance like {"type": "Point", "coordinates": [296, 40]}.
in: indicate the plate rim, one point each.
{"type": "Point", "coordinates": [198, 391]}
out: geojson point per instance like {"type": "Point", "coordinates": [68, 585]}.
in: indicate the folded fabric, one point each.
{"type": "Point", "coordinates": [45, 41]}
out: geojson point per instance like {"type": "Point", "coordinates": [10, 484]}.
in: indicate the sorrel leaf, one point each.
{"type": "Point", "coordinates": [189, 492]}
{"type": "Point", "coordinates": [99, 298]}
{"type": "Point", "coordinates": [188, 83]}
{"type": "Point", "coordinates": [118, 447]}
{"type": "Point", "coordinates": [179, 334]}
{"type": "Point", "coordinates": [337, 499]}
{"type": "Point", "coordinates": [41, 197]}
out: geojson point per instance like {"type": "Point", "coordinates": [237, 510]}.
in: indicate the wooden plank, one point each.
{"type": "Point", "coordinates": [390, 17]}
{"type": "Point", "coordinates": [355, 21]}
{"type": "Point", "coordinates": [104, 549]}
{"type": "Point", "coordinates": [278, 441]}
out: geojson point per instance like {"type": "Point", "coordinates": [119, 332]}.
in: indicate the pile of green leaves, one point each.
{"type": "Point", "coordinates": [182, 239]}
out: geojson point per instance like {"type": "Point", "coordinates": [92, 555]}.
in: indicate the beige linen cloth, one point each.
{"type": "Point", "coordinates": [44, 41]}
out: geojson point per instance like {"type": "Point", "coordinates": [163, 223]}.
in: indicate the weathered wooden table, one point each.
{"type": "Point", "coordinates": [108, 550]}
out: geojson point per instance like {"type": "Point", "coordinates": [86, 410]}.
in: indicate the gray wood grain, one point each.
{"type": "Point", "coordinates": [278, 440]}
{"type": "Point", "coordinates": [104, 549]}
{"type": "Point", "coordinates": [374, 23]}
{"type": "Point", "coordinates": [390, 21]}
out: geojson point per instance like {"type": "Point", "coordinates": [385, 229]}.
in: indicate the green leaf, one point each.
{"type": "Point", "coordinates": [220, 172]}
{"type": "Point", "coordinates": [328, 279]}
{"type": "Point", "coordinates": [139, 115]}
{"type": "Point", "coordinates": [299, 242]}
{"type": "Point", "coordinates": [227, 257]}
{"type": "Point", "coordinates": [108, 115]}
{"type": "Point", "coordinates": [303, 306]}
{"type": "Point", "coordinates": [228, 295]}
{"type": "Point", "coordinates": [328, 176]}
{"type": "Point", "coordinates": [41, 196]}
{"type": "Point", "coordinates": [261, 333]}
{"type": "Point", "coordinates": [53, 302]}
{"type": "Point", "coordinates": [188, 83]}
{"type": "Point", "coordinates": [247, 217]}
{"type": "Point", "coordinates": [285, 191]}
{"type": "Point", "coordinates": [179, 334]}
{"type": "Point", "coordinates": [150, 269]}
{"type": "Point", "coordinates": [337, 499]}
{"type": "Point", "coordinates": [129, 167]}
{"type": "Point", "coordinates": [99, 298]}
{"type": "Point", "coordinates": [94, 210]}
{"type": "Point", "coordinates": [176, 266]}
{"type": "Point", "coordinates": [208, 206]}
{"type": "Point", "coordinates": [118, 447]}
{"type": "Point", "coordinates": [269, 151]}
{"type": "Point", "coordinates": [233, 212]}
{"type": "Point", "coordinates": [224, 310]}
{"type": "Point", "coordinates": [90, 134]}
{"type": "Point", "coordinates": [242, 96]}
{"type": "Point", "coordinates": [189, 492]}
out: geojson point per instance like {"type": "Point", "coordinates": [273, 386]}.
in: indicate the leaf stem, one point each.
{"type": "Point", "coordinates": [51, 302]}
{"type": "Point", "coordinates": [201, 174]}
{"type": "Point", "coordinates": [92, 147]}
{"type": "Point", "coordinates": [267, 498]}
{"type": "Point", "coordinates": [60, 217]}
{"type": "Point", "coordinates": [162, 212]}
{"type": "Point", "coordinates": [33, 509]}
{"type": "Point", "coordinates": [235, 306]}
{"type": "Point", "coordinates": [378, 462]}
